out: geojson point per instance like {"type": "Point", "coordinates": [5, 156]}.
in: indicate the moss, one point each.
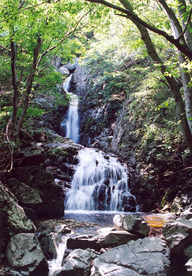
{"type": "Point", "coordinates": [87, 123]}
{"type": "Point", "coordinates": [57, 151]}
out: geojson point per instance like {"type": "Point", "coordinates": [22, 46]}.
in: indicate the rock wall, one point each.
{"type": "Point", "coordinates": [111, 126]}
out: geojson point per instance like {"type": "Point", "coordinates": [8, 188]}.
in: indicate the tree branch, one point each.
{"type": "Point", "coordinates": [187, 23]}
{"type": "Point", "coordinates": [4, 48]}
{"type": "Point", "coordinates": [60, 41]}
{"type": "Point", "coordinates": [21, 4]}
{"type": "Point", "coordinates": [163, 82]}
{"type": "Point", "coordinates": [130, 15]}
{"type": "Point", "coordinates": [11, 149]}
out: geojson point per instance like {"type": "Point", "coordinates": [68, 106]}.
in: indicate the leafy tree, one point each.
{"type": "Point", "coordinates": [141, 15]}
{"type": "Point", "coordinates": [30, 30]}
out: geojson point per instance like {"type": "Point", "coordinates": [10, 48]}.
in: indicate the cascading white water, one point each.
{"type": "Point", "coordinates": [71, 123]}
{"type": "Point", "coordinates": [56, 264]}
{"type": "Point", "coordinates": [99, 183]}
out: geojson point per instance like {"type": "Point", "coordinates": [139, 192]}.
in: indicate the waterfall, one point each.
{"type": "Point", "coordinates": [70, 125]}
{"type": "Point", "coordinates": [99, 183]}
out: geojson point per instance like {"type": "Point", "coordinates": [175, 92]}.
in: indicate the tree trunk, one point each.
{"type": "Point", "coordinates": [14, 81]}
{"type": "Point", "coordinates": [29, 83]}
{"type": "Point", "coordinates": [175, 91]}
{"type": "Point", "coordinates": [182, 12]}
{"type": "Point", "coordinates": [177, 31]}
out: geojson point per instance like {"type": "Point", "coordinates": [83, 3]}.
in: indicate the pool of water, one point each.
{"type": "Point", "coordinates": [105, 218]}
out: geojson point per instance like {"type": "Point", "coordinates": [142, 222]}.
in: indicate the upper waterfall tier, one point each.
{"type": "Point", "coordinates": [99, 183]}
{"type": "Point", "coordinates": [70, 125]}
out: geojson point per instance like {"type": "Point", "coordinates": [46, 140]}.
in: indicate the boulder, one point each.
{"type": "Point", "coordinates": [13, 219]}
{"type": "Point", "coordinates": [64, 71]}
{"type": "Point", "coordinates": [24, 252]}
{"type": "Point", "coordinates": [178, 234]}
{"type": "Point", "coordinates": [48, 245]}
{"type": "Point", "coordinates": [71, 66]}
{"type": "Point", "coordinates": [78, 262]}
{"type": "Point", "coordinates": [116, 238]}
{"type": "Point", "coordinates": [79, 79]}
{"type": "Point", "coordinates": [84, 242]}
{"type": "Point", "coordinates": [133, 224]}
{"type": "Point", "coordinates": [23, 192]}
{"type": "Point", "coordinates": [148, 256]}
{"type": "Point", "coordinates": [112, 239]}
{"type": "Point", "coordinates": [42, 182]}
{"type": "Point", "coordinates": [187, 214]}
{"type": "Point", "coordinates": [30, 156]}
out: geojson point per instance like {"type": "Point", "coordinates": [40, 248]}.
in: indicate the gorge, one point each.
{"type": "Point", "coordinates": [100, 181]}
{"type": "Point", "coordinates": [108, 190]}
{"type": "Point", "coordinates": [95, 138]}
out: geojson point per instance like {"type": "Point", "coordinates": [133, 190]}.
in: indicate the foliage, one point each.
{"type": "Point", "coordinates": [31, 33]}
{"type": "Point", "coordinates": [150, 108]}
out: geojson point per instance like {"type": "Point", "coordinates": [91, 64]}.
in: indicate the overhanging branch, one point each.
{"type": "Point", "coordinates": [187, 23]}
{"type": "Point", "coordinates": [4, 48]}
{"type": "Point", "coordinates": [132, 16]}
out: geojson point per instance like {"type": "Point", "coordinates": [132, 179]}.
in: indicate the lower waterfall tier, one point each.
{"type": "Point", "coordinates": [99, 183]}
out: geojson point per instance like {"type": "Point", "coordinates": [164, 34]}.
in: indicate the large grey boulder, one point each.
{"type": "Point", "coordinates": [12, 218]}
{"type": "Point", "coordinates": [51, 194]}
{"type": "Point", "coordinates": [24, 193]}
{"type": "Point", "coordinates": [133, 224]}
{"type": "Point", "coordinates": [148, 256]}
{"type": "Point", "coordinates": [64, 71]}
{"type": "Point", "coordinates": [24, 252]}
{"type": "Point", "coordinates": [116, 238]}
{"type": "Point", "coordinates": [178, 234]}
{"type": "Point", "coordinates": [111, 239]}
{"type": "Point", "coordinates": [77, 263]}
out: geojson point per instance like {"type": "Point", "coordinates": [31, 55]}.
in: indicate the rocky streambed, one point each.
{"type": "Point", "coordinates": [31, 246]}
{"type": "Point", "coordinates": [130, 246]}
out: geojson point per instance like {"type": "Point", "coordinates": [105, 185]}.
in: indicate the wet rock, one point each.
{"type": "Point", "coordinates": [23, 192]}
{"type": "Point", "coordinates": [132, 224]}
{"type": "Point", "coordinates": [129, 202]}
{"type": "Point", "coordinates": [13, 219]}
{"type": "Point", "coordinates": [148, 256]}
{"type": "Point", "coordinates": [187, 214]}
{"type": "Point", "coordinates": [111, 239]}
{"type": "Point", "coordinates": [178, 235]}
{"type": "Point", "coordinates": [66, 144]}
{"type": "Point", "coordinates": [43, 183]}
{"type": "Point", "coordinates": [48, 246]}
{"type": "Point", "coordinates": [30, 213]}
{"type": "Point", "coordinates": [84, 242]}
{"type": "Point", "coordinates": [31, 156]}
{"type": "Point", "coordinates": [116, 238]}
{"type": "Point", "coordinates": [24, 252]}
{"type": "Point", "coordinates": [78, 262]}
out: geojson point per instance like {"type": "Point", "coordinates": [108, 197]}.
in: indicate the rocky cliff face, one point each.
{"type": "Point", "coordinates": [117, 125]}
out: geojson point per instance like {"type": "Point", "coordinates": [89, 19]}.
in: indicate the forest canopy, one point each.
{"type": "Point", "coordinates": [33, 32]}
